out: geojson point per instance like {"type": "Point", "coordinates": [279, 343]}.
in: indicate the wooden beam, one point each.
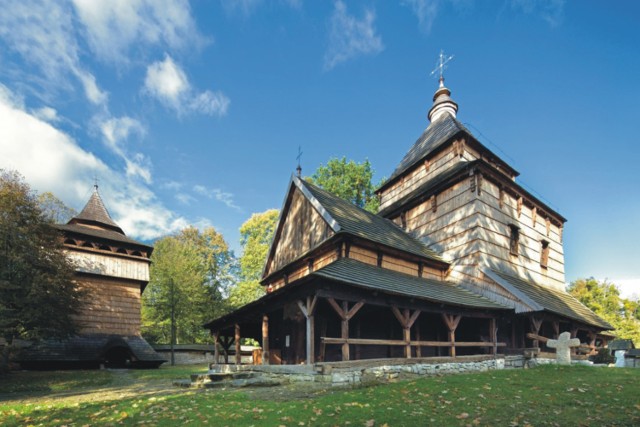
{"type": "Point", "coordinates": [354, 309]}
{"type": "Point", "coordinates": [308, 310]}
{"type": "Point", "coordinates": [237, 339]}
{"type": "Point", "coordinates": [337, 308]}
{"type": "Point", "coordinates": [536, 324]}
{"type": "Point", "coordinates": [265, 340]}
{"type": "Point", "coordinates": [418, 337]}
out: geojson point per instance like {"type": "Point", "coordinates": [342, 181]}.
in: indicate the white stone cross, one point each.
{"type": "Point", "coordinates": [563, 347]}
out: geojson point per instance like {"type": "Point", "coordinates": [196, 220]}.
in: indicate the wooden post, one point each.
{"type": "Point", "coordinates": [308, 310]}
{"type": "Point", "coordinates": [452, 320]}
{"type": "Point", "coordinates": [406, 319]}
{"type": "Point", "coordinates": [536, 323]}
{"type": "Point", "coordinates": [345, 315]}
{"type": "Point", "coordinates": [493, 335]}
{"type": "Point", "coordinates": [237, 339]}
{"type": "Point", "coordinates": [418, 338]}
{"type": "Point", "coordinates": [344, 330]}
{"type": "Point", "coordinates": [556, 328]}
{"type": "Point", "coordinates": [216, 352]}
{"type": "Point", "coordinates": [265, 340]}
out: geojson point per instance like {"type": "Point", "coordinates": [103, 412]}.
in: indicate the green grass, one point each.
{"type": "Point", "coordinates": [57, 381]}
{"type": "Point", "coordinates": [548, 395]}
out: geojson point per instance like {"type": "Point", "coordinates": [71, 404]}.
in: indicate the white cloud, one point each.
{"type": "Point", "coordinates": [185, 198]}
{"type": "Point", "coordinates": [51, 160]}
{"type": "Point", "coordinates": [171, 185]}
{"type": "Point", "coordinates": [350, 37]}
{"type": "Point", "coordinates": [116, 132]}
{"type": "Point", "coordinates": [42, 33]}
{"type": "Point", "coordinates": [551, 11]}
{"type": "Point", "coordinates": [113, 27]}
{"type": "Point", "coordinates": [425, 10]}
{"type": "Point", "coordinates": [217, 194]}
{"type": "Point", "coordinates": [168, 83]}
{"type": "Point", "coordinates": [47, 114]}
{"type": "Point", "coordinates": [629, 286]}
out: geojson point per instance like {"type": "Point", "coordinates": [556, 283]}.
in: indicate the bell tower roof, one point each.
{"type": "Point", "coordinates": [95, 214]}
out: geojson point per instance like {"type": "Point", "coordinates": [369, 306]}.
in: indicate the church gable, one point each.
{"type": "Point", "coordinates": [301, 229]}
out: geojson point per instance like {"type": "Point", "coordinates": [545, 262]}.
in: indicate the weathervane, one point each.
{"type": "Point", "coordinates": [95, 182]}
{"type": "Point", "coordinates": [299, 156]}
{"type": "Point", "coordinates": [441, 65]}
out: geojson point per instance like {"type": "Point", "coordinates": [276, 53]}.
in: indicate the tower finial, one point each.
{"type": "Point", "coordinates": [299, 168]}
{"type": "Point", "coordinates": [443, 60]}
{"type": "Point", "coordinates": [442, 103]}
{"type": "Point", "coordinates": [95, 183]}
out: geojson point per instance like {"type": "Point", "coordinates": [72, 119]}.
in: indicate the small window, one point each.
{"type": "Point", "coordinates": [544, 254]}
{"type": "Point", "coordinates": [514, 239]}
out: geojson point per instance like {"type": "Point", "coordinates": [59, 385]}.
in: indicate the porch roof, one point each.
{"type": "Point", "coordinates": [379, 279]}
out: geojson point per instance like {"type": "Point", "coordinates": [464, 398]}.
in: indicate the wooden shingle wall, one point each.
{"type": "Point", "coordinates": [110, 307]}
{"type": "Point", "coordinates": [427, 170]}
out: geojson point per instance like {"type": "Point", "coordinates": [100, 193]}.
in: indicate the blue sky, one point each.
{"type": "Point", "coordinates": [192, 112]}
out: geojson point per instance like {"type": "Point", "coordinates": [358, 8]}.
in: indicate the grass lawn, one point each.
{"type": "Point", "coordinates": [547, 395]}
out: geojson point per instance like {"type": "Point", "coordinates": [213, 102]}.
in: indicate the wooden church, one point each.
{"type": "Point", "coordinates": [114, 270]}
{"type": "Point", "coordinates": [459, 260]}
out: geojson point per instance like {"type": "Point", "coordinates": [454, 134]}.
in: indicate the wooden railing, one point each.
{"type": "Point", "coordinates": [367, 341]}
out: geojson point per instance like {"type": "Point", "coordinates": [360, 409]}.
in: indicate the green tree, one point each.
{"type": "Point", "coordinates": [55, 209]}
{"type": "Point", "coordinates": [255, 237]}
{"type": "Point", "coordinates": [190, 274]}
{"type": "Point", "coordinates": [348, 180]}
{"type": "Point", "coordinates": [605, 300]}
{"type": "Point", "coordinates": [38, 298]}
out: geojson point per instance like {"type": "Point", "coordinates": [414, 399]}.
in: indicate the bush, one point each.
{"type": "Point", "coordinates": [603, 357]}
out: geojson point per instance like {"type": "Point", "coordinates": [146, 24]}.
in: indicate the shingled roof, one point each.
{"type": "Point", "coordinates": [548, 299]}
{"type": "Point", "coordinates": [444, 129]}
{"type": "Point", "coordinates": [374, 278]}
{"type": "Point", "coordinates": [95, 213]}
{"type": "Point", "coordinates": [345, 217]}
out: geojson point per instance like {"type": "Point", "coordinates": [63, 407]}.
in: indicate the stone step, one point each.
{"type": "Point", "coordinates": [255, 382]}
{"type": "Point", "coordinates": [211, 377]}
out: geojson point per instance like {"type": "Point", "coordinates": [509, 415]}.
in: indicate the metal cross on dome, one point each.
{"type": "Point", "coordinates": [441, 65]}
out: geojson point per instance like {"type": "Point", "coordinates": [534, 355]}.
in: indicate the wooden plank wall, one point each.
{"type": "Point", "coordinates": [472, 231]}
{"type": "Point", "coordinates": [303, 229]}
{"type": "Point", "coordinates": [425, 171]}
{"type": "Point", "coordinates": [110, 307]}
{"type": "Point", "coordinates": [109, 265]}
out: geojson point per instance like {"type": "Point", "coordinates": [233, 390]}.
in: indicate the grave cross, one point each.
{"type": "Point", "coordinates": [563, 347]}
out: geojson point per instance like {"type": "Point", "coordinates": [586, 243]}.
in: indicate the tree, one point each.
{"type": "Point", "coordinates": [604, 299]}
{"type": "Point", "coordinates": [348, 180]}
{"type": "Point", "coordinates": [255, 237]}
{"type": "Point", "coordinates": [190, 274]}
{"type": "Point", "coordinates": [38, 298]}
{"type": "Point", "coordinates": [55, 209]}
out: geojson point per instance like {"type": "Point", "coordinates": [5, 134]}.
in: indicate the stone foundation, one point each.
{"type": "Point", "coordinates": [378, 370]}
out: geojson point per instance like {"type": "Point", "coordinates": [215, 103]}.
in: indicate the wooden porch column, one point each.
{"type": "Point", "coordinates": [536, 323]}
{"type": "Point", "coordinates": [592, 342]}
{"type": "Point", "coordinates": [493, 335]}
{"type": "Point", "coordinates": [556, 328]}
{"type": "Point", "coordinates": [418, 338]}
{"type": "Point", "coordinates": [216, 352]}
{"type": "Point", "coordinates": [452, 320]}
{"type": "Point", "coordinates": [406, 319]}
{"type": "Point", "coordinates": [345, 315]}
{"type": "Point", "coordinates": [308, 309]}
{"type": "Point", "coordinates": [265, 339]}
{"type": "Point", "coordinates": [237, 339]}
{"type": "Point", "coordinates": [226, 343]}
